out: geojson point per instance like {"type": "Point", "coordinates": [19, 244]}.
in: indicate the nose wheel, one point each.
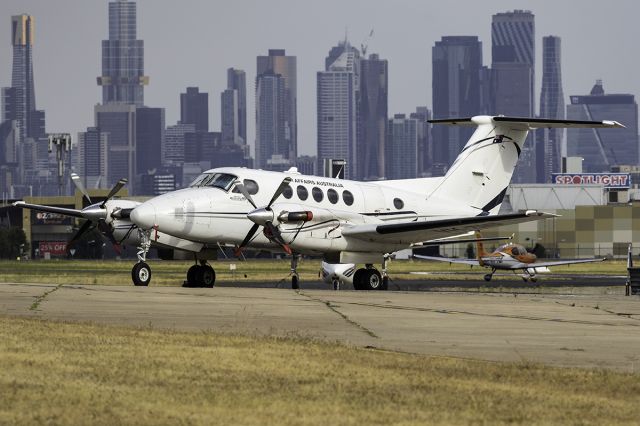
{"type": "Point", "coordinates": [141, 274]}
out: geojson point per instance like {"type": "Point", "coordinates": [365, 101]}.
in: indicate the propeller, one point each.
{"type": "Point", "coordinates": [96, 214]}
{"type": "Point", "coordinates": [264, 217]}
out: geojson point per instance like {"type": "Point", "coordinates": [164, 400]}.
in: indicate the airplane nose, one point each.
{"type": "Point", "coordinates": [144, 215]}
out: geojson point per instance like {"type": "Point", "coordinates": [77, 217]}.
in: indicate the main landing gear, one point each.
{"type": "Point", "coordinates": [201, 275]}
{"type": "Point", "coordinates": [488, 277]}
{"type": "Point", "coordinates": [295, 278]}
{"type": "Point", "coordinates": [369, 278]}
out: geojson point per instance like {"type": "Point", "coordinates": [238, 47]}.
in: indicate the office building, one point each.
{"type": "Point", "coordinates": [150, 127]}
{"type": "Point", "coordinates": [229, 113]}
{"type": "Point", "coordinates": [549, 141]}
{"type": "Point", "coordinates": [513, 79]}
{"type": "Point", "coordinates": [457, 65]}
{"type": "Point", "coordinates": [194, 109]}
{"type": "Point", "coordinates": [92, 158]}
{"type": "Point", "coordinates": [374, 88]}
{"type": "Point", "coordinates": [425, 152]}
{"type": "Point", "coordinates": [119, 122]}
{"type": "Point", "coordinates": [603, 148]}
{"type": "Point", "coordinates": [402, 148]}
{"type": "Point", "coordinates": [201, 146]}
{"type": "Point", "coordinates": [174, 143]}
{"type": "Point", "coordinates": [338, 94]}
{"type": "Point", "coordinates": [123, 78]}
{"type": "Point", "coordinates": [276, 110]}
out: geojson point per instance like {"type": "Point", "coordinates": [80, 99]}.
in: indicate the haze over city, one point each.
{"type": "Point", "coordinates": [192, 43]}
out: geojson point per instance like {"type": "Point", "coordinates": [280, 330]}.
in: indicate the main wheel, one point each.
{"type": "Point", "coordinates": [141, 274]}
{"type": "Point", "coordinates": [206, 276]}
{"type": "Point", "coordinates": [192, 276]}
{"type": "Point", "coordinates": [295, 281]}
{"type": "Point", "coordinates": [371, 280]}
{"type": "Point", "coordinates": [358, 279]}
{"type": "Point", "coordinates": [487, 277]}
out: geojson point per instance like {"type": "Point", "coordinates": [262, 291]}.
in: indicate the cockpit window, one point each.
{"type": "Point", "coordinates": [515, 251]}
{"type": "Point", "coordinates": [223, 181]}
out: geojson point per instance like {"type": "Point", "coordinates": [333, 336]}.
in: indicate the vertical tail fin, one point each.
{"type": "Point", "coordinates": [479, 177]}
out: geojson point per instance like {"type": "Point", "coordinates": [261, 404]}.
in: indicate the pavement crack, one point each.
{"type": "Point", "coordinates": [36, 303]}
{"type": "Point", "coordinates": [334, 309]}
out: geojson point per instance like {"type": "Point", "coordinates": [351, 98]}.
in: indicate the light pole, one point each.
{"type": "Point", "coordinates": [62, 142]}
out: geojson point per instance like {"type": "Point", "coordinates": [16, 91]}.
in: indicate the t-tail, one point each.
{"type": "Point", "coordinates": [478, 179]}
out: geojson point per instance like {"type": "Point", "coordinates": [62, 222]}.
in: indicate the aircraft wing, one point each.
{"type": "Point", "coordinates": [414, 232]}
{"type": "Point", "coordinates": [472, 262]}
{"type": "Point", "coordinates": [561, 262]}
{"type": "Point", "coordinates": [49, 209]}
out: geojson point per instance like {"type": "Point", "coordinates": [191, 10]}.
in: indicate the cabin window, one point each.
{"type": "Point", "coordinates": [332, 196]}
{"type": "Point", "coordinates": [515, 251]}
{"type": "Point", "coordinates": [287, 192]}
{"type": "Point", "coordinates": [347, 197]}
{"type": "Point", "coordinates": [317, 194]}
{"type": "Point", "coordinates": [398, 203]}
{"type": "Point", "coordinates": [302, 192]}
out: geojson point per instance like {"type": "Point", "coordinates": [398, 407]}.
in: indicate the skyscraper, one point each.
{"type": "Point", "coordinates": [272, 148]}
{"type": "Point", "coordinates": [194, 109]}
{"type": "Point", "coordinates": [548, 143]}
{"type": "Point", "coordinates": [236, 80]}
{"type": "Point", "coordinates": [229, 113]}
{"type": "Point", "coordinates": [123, 78]}
{"type": "Point", "coordinates": [425, 151]}
{"type": "Point", "coordinates": [602, 149]}
{"type": "Point", "coordinates": [513, 64]}
{"type": "Point", "coordinates": [374, 87]}
{"type": "Point", "coordinates": [457, 64]}
{"type": "Point", "coordinates": [284, 148]}
{"type": "Point", "coordinates": [402, 148]}
{"type": "Point", "coordinates": [338, 90]}
{"type": "Point", "coordinates": [28, 144]}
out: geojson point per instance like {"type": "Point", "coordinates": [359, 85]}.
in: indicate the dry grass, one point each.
{"type": "Point", "coordinates": [114, 272]}
{"type": "Point", "coordinates": [64, 373]}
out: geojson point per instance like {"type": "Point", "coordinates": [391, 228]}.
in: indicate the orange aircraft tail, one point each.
{"type": "Point", "coordinates": [480, 249]}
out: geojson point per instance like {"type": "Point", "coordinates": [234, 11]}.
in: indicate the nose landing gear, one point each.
{"type": "Point", "coordinates": [295, 278]}
{"type": "Point", "coordinates": [141, 272]}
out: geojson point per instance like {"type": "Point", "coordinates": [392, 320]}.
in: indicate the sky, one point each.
{"type": "Point", "coordinates": [193, 42]}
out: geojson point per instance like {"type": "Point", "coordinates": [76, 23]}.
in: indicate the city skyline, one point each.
{"type": "Point", "coordinates": [68, 92]}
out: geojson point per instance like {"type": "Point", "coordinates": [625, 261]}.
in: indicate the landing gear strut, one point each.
{"type": "Point", "coordinates": [141, 272]}
{"type": "Point", "coordinates": [201, 275]}
{"type": "Point", "coordinates": [295, 278]}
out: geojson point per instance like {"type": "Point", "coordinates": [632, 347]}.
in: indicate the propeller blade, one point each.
{"type": "Point", "coordinates": [246, 240]}
{"type": "Point", "coordinates": [78, 183]}
{"type": "Point", "coordinates": [279, 191]}
{"type": "Point", "coordinates": [106, 230]}
{"type": "Point", "coordinates": [86, 226]}
{"type": "Point", "coordinates": [246, 194]}
{"type": "Point", "coordinates": [117, 187]}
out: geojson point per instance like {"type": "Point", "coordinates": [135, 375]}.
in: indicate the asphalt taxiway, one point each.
{"type": "Point", "coordinates": [584, 330]}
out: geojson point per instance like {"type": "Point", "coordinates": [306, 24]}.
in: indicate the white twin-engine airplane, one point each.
{"type": "Point", "coordinates": [346, 222]}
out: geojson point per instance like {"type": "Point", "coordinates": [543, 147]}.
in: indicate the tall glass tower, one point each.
{"type": "Point", "coordinates": [122, 78]}
{"type": "Point", "coordinates": [548, 144]}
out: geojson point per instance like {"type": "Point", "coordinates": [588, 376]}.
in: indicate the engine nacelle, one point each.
{"type": "Point", "coordinates": [342, 272]}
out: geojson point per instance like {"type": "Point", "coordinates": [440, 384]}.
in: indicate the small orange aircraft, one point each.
{"type": "Point", "coordinates": [508, 256]}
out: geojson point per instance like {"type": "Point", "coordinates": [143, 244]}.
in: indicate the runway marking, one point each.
{"type": "Point", "coordinates": [344, 316]}
{"type": "Point", "coordinates": [453, 312]}
{"type": "Point", "coordinates": [36, 303]}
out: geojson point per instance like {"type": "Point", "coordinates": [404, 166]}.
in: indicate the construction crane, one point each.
{"type": "Point", "coordinates": [365, 44]}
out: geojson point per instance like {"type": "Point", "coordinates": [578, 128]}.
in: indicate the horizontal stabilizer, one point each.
{"type": "Point", "coordinates": [528, 123]}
